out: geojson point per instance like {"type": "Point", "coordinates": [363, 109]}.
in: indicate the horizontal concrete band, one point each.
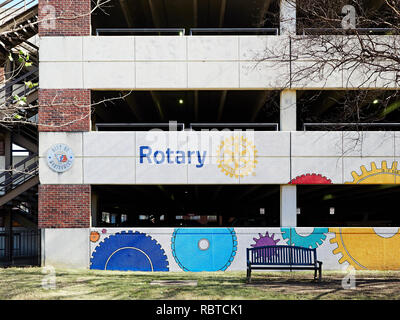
{"type": "Point", "coordinates": [216, 249]}
{"type": "Point", "coordinates": [254, 157]}
{"type": "Point", "coordinates": [199, 62]}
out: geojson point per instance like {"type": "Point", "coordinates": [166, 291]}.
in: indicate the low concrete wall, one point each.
{"type": "Point", "coordinates": [65, 248]}
{"type": "Point", "coordinates": [224, 249]}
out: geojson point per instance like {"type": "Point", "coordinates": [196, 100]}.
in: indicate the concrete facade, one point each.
{"type": "Point", "coordinates": [72, 63]}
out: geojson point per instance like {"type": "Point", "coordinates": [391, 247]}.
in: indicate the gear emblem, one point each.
{"type": "Point", "coordinates": [313, 240]}
{"type": "Point", "coordinates": [376, 175]}
{"type": "Point", "coordinates": [312, 178]}
{"type": "Point", "coordinates": [204, 249]}
{"type": "Point", "coordinates": [236, 157]}
{"type": "Point", "coordinates": [266, 240]}
{"type": "Point", "coordinates": [365, 249]}
{"type": "Point", "coordinates": [129, 251]}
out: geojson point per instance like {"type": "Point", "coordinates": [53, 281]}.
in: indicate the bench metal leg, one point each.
{"type": "Point", "coordinates": [248, 278]}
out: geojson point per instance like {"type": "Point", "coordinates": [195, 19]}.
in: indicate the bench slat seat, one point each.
{"type": "Point", "coordinates": [282, 258]}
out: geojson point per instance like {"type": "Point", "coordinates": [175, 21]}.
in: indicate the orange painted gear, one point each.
{"type": "Point", "coordinates": [364, 249]}
{"type": "Point", "coordinates": [94, 236]}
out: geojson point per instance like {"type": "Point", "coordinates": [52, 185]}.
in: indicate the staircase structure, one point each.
{"type": "Point", "coordinates": [19, 57]}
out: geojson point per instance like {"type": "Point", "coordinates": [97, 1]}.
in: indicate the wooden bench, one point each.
{"type": "Point", "coordinates": [282, 258]}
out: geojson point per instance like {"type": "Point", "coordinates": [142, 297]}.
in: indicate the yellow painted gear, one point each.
{"type": "Point", "coordinates": [364, 249]}
{"type": "Point", "coordinates": [376, 175]}
{"type": "Point", "coordinates": [236, 157]}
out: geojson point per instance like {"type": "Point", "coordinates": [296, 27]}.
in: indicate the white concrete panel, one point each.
{"type": "Point", "coordinates": [369, 174]}
{"type": "Point", "coordinates": [311, 74]}
{"type": "Point", "coordinates": [322, 48]}
{"type": "Point", "coordinates": [378, 143]}
{"type": "Point", "coordinates": [61, 75]}
{"type": "Point", "coordinates": [217, 48]}
{"type": "Point", "coordinates": [162, 75]}
{"type": "Point", "coordinates": [352, 143]}
{"type": "Point", "coordinates": [169, 48]}
{"type": "Point", "coordinates": [211, 141]}
{"type": "Point", "coordinates": [329, 168]}
{"type": "Point", "coordinates": [60, 49]}
{"type": "Point", "coordinates": [106, 48]}
{"type": "Point", "coordinates": [263, 48]}
{"type": "Point", "coordinates": [265, 74]}
{"type": "Point", "coordinates": [109, 75]}
{"type": "Point", "coordinates": [71, 139]}
{"type": "Point", "coordinates": [109, 170]}
{"type": "Point", "coordinates": [72, 176]}
{"type": "Point", "coordinates": [372, 76]}
{"type": "Point", "coordinates": [66, 248]}
{"type": "Point", "coordinates": [268, 171]}
{"type": "Point", "coordinates": [397, 144]}
{"type": "Point", "coordinates": [164, 173]}
{"type": "Point", "coordinates": [272, 143]}
{"type": "Point", "coordinates": [210, 173]}
{"type": "Point", "coordinates": [161, 140]}
{"type": "Point", "coordinates": [213, 75]}
{"type": "Point", "coordinates": [316, 144]}
{"type": "Point", "coordinates": [109, 144]}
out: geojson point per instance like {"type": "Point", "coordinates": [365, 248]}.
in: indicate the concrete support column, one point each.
{"type": "Point", "coordinates": [288, 110]}
{"type": "Point", "coordinates": [288, 202]}
{"type": "Point", "coordinates": [288, 193]}
{"type": "Point", "coordinates": [288, 17]}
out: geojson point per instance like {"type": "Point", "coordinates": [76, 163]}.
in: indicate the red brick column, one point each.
{"type": "Point", "coordinates": [64, 206]}
{"type": "Point", "coordinates": [64, 17]}
{"type": "Point", "coordinates": [64, 110]}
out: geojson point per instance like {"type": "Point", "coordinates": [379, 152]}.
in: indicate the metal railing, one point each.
{"type": "Point", "coordinates": [142, 126]}
{"type": "Point", "coordinates": [11, 8]}
{"type": "Point", "coordinates": [18, 87]}
{"type": "Point", "coordinates": [159, 31]}
{"type": "Point", "coordinates": [19, 173]}
{"type": "Point", "coordinates": [20, 247]}
{"type": "Point", "coordinates": [251, 126]}
{"type": "Point", "coordinates": [321, 31]}
{"type": "Point", "coordinates": [274, 31]}
{"type": "Point", "coordinates": [350, 124]}
{"type": "Point", "coordinates": [182, 32]}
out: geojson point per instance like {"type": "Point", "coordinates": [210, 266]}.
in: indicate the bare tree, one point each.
{"type": "Point", "coordinates": [358, 40]}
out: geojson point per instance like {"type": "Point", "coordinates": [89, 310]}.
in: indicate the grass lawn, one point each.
{"type": "Point", "coordinates": [26, 283]}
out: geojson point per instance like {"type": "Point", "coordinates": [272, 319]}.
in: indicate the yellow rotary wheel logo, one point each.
{"type": "Point", "coordinates": [365, 249]}
{"type": "Point", "coordinates": [376, 175]}
{"type": "Point", "coordinates": [237, 157]}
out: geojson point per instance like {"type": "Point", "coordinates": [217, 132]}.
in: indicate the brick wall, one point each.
{"type": "Point", "coordinates": [72, 18]}
{"type": "Point", "coordinates": [64, 206]}
{"type": "Point", "coordinates": [64, 110]}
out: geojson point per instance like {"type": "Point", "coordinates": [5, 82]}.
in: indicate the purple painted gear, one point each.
{"type": "Point", "coordinates": [266, 240]}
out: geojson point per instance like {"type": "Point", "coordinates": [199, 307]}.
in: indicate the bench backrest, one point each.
{"type": "Point", "coordinates": [281, 255]}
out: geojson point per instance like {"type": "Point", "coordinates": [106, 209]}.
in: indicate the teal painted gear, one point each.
{"type": "Point", "coordinates": [204, 249]}
{"type": "Point", "coordinates": [313, 240]}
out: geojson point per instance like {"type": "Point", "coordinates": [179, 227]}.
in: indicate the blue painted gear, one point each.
{"type": "Point", "coordinates": [204, 249]}
{"type": "Point", "coordinates": [129, 251]}
{"type": "Point", "coordinates": [313, 240]}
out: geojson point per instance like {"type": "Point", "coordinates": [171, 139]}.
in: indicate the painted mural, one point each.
{"type": "Point", "coordinates": [382, 175]}
{"type": "Point", "coordinates": [224, 249]}
{"type": "Point", "coordinates": [237, 157]}
{"type": "Point", "coordinates": [204, 249]}
{"type": "Point", "coordinates": [129, 251]}
{"type": "Point", "coordinates": [311, 178]}
{"type": "Point", "coordinates": [368, 248]}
